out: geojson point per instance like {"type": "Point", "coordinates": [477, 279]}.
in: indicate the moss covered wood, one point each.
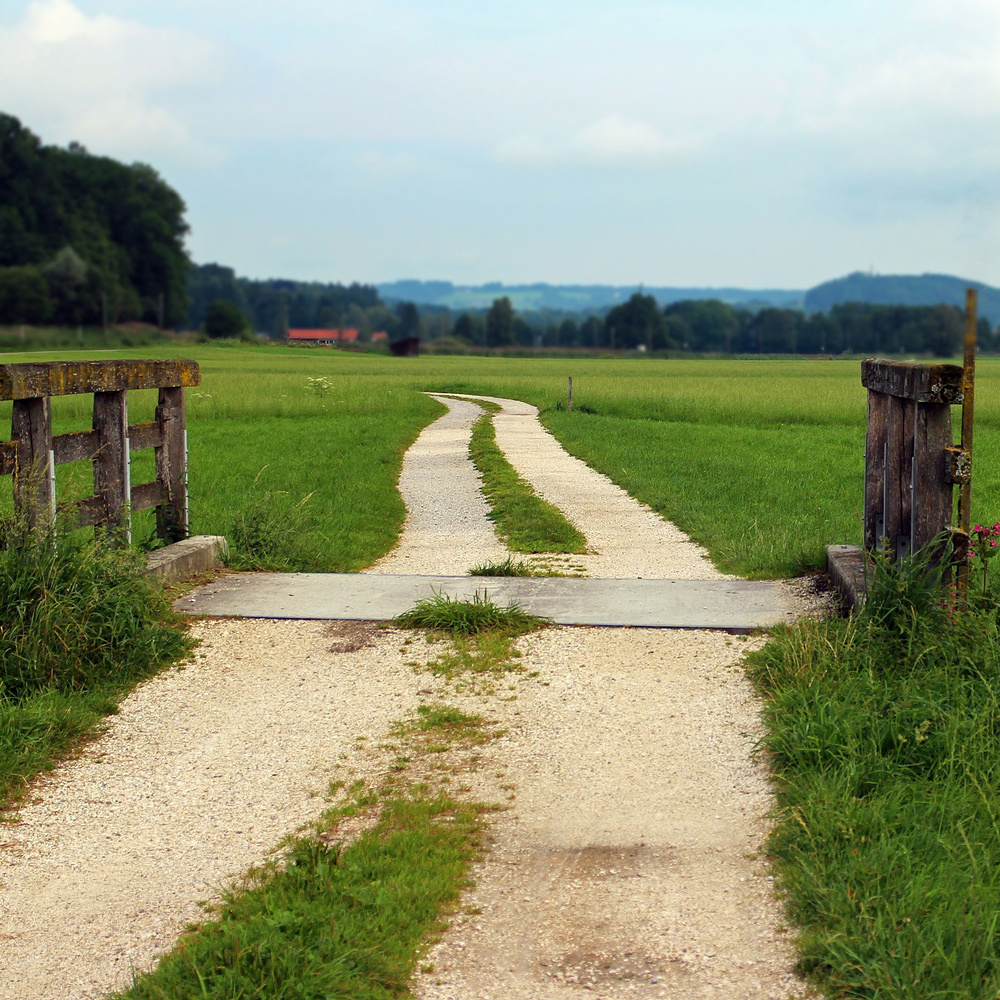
{"type": "Point", "coordinates": [33, 453]}
{"type": "Point", "coordinates": [909, 461]}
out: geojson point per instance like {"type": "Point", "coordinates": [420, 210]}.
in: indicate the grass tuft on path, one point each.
{"type": "Point", "coordinates": [882, 734]}
{"type": "Point", "coordinates": [465, 618]}
{"type": "Point", "coordinates": [525, 521]}
{"type": "Point", "coordinates": [482, 638]}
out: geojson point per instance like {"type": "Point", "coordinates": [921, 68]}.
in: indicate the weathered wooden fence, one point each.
{"type": "Point", "coordinates": [912, 464]}
{"type": "Point", "coordinates": [32, 454]}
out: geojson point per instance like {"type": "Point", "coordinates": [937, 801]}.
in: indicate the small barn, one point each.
{"type": "Point", "coordinates": [323, 338]}
{"type": "Point", "coordinates": [408, 347]}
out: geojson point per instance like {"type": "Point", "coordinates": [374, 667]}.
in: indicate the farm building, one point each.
{"type": "Point", "coordinates": [323, 337]}
{"type": "Point", "coordinates": [327, 338]}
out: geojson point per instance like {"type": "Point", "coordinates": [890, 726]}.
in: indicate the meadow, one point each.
{"type": "Point", "coordinates": [881, 728]}
{"type": "Point", "coordinates": [294, 452]}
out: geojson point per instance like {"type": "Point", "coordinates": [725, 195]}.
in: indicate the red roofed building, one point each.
{"type": "Point", "coordinates": [324, 337]}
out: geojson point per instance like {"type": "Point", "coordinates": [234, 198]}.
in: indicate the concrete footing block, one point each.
{"type": "Point", "coordinates": [187, 558]}
{"type": "Point", "coordinates": [846, 566]}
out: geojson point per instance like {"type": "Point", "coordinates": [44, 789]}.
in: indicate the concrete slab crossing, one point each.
{"type": "Point", "coordinates": [728, 605]}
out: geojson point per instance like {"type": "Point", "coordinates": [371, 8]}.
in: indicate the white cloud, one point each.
{"type": "Point", "coordinates": [103, 81]}
{"type": "Point", "coordinates": [614, 141]}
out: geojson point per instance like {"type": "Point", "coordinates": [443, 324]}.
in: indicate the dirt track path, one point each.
{"type": "Point", "coordinates": [624, 868]}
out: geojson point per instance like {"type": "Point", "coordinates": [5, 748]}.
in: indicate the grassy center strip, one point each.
{"type": "Point", "coordinates": [883, 740]}
{"type": "Point", "coordinates": [523, 519]}
{"type": "Point", "coordinates": [346, 916]}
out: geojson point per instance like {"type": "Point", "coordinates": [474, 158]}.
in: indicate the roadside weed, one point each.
{"type": "Point", "coordinates": [465, 618]}
{"type": "Point", "coordinates": [882, 738]}
{"type": "Point", "coordinates": [79, 625]}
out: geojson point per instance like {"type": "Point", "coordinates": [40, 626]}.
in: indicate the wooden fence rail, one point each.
{"type": "Point", "coordinates": [32, 454]}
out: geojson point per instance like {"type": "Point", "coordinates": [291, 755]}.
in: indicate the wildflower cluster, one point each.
{"type": "Point", "coordinates": [319, 386]}
{"type": "Point", "coordinates": [984, 545]}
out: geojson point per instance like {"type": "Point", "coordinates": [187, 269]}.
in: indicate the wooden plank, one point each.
{"type": "Point", "coordinates": [909, 380]}
{"type": "Point", "coordinates": [892, 499]}
{"type": "Point", "coordinates": [934, 502]}
{"type": "Point", "coordinates": [34, 472]}
{"type": "Point", "coordinates": [875, 441]}
{"type": "Point", "coordinates": [910, 415]}
{"type": "Point", "coordinates": [111, 464]}
{"type": "Point", "coordinates": [89, 512]}
{"type": "Point", "coordinates": [8, 457]}
{"type": "Point", "coordinates": [66, 378]}
{"type": "Point", "coordinates": [147, 495]}
{"type": "Point", "coordinates": [171, 466]}
{"type": "Point", "coordinates": [80, 446]}
{"type": "Point", "coordinates": [144, 436]}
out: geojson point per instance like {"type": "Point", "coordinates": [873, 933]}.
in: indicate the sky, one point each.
{"type": "Point", "coordinates": [772, 144]}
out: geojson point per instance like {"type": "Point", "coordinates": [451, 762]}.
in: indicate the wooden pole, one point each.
{"type": "Point", "coordinates": [968, 411]}
{"type": "Point", "coordinates": [171, 465]}
{"type": "Point", "coordinates": [570, 407]}
{"type": "Point", "coordinates": [111, 463]}
{"type": "Point", "coordinates": [34, 473]}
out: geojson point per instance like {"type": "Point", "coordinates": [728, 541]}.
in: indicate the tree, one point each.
{"type": "Point", "coordinates": [637, 321]}
{"type": "Point", "coordinates": [24, 296]}
{"type": "Point", "coordinates": [569, 333]}
{"type": "Point", "coordinates": [705, 324]}
{"type": "Point", "coordinates": [500, 323]}
{"type": "Point", "coordinates": [409, 320]}
{"type": "Point", "coordinates": [224, 319]}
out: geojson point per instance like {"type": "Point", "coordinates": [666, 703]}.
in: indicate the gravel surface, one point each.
{"type": "Point", "coordinates": [625, 867]}
{"type": "Point", "coordinates": [196, 779]}
{"type": "Point", "coordinates": [447, 528]}
{"type": "Point", "coordinates": [627, 538]}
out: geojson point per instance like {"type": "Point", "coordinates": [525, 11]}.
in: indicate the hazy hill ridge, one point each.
{"type": "Point", "coordinates": [903, 290]}
{"type": "Point", "coordinates": [888, 289]}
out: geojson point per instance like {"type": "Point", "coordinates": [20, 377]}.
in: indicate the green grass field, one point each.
{"type": "Point", "coordinates": [881, 729]}
{"type": "Point", "coordinates": [296, 451]}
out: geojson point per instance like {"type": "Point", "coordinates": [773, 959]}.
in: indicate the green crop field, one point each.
{"type": "Point", "coordinates": [294, 453]}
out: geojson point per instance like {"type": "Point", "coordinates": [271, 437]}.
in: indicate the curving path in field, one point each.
{"type": "Point", "coordinates": [624, 868]}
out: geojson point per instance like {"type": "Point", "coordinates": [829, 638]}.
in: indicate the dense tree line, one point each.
{"type": "Point", "coordinates": [84, 239]}
{"type": "Point", "coordinates": [711, 326]}
{"type": "Point", "coordinates": [274, 305]}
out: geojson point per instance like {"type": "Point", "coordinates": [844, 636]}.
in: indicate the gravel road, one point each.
{"type": "Point", "coordinates": [625, 867]}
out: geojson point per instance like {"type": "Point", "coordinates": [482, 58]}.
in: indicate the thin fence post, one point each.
{"type": "Point", "coordinates": [171, 465]}
{"type": "Point", "coordinates": [34, 471]}
{"type": "Point", "coordinates": [111, 463]}
{"type": "Point", "coordinates": [570, 406]}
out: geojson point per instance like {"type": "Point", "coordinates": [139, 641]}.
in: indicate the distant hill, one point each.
{"type": "Point", "coordinates": [903, 290]}
{"type": "Point", "coordinates": [876, 289]}
{"type": "Point", "coordinates": [570, 298]}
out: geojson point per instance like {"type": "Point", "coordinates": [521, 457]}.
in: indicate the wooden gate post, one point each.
{"type": "Point", "coordinates": [171, 465]}
{"type": "Point", "coordinates": [112, 477]}
{"type": "Point", "coordinates": [909, 474]}
{"type": "Point", "coordinates": [34, 462]}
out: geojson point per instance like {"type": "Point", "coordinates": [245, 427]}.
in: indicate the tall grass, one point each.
{"type": "Point", "coordinates": [79, 624]}
{"type": "Point", "coordinates": [883, 736]}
